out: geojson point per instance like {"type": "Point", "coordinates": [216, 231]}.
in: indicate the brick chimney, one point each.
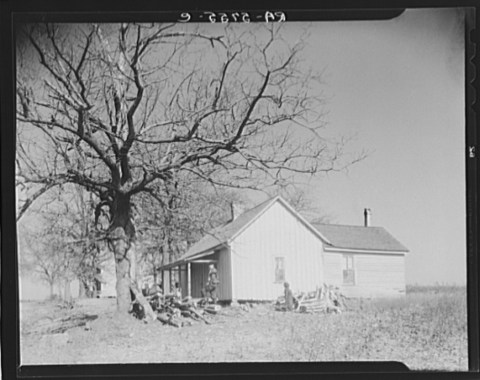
{"type": "Point", "coordinates": [367, 214]}
{"type": "Point", "coordinates": [236, 210]}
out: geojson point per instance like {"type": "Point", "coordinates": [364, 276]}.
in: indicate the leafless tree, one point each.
{"type": "Point", "coordinates": [45, 256]}
{"type": "Point", "coordinates": [177, 214]}
{"type": "Point", "coordinates": [302, 202]}
{"type": "Point", "coordinates": [118, 108]}
{"type": "Point", "coordinates": [63, 245]}
{"type": "Point", "coordinates": [42, 263]}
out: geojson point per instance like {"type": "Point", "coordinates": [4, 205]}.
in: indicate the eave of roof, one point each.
{"type": "Point", "coordinates": [364, 251]}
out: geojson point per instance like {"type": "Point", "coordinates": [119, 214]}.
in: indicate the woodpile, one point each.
{"type": "Point", "coordinates": [171, 310]}
{"type": "Point", "coordinates": [325, 299]}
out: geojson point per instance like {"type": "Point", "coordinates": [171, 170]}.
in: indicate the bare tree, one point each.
{"type": "Point", "coordinates": [177, 214]}
{"type": "Point", "coordinates": [45, 257]}
{"type": "Point", "coordinates": [64, 245]}
{"type": "Point", "coordinates": [302, 202]}
{"type": "Point", "coordinates": [117, 108]}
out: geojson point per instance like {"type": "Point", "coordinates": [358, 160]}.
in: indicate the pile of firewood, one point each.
{"type": "Point", "coordinates": [171, 310]}
{"type": "Point", "coordinates": [325, 299]}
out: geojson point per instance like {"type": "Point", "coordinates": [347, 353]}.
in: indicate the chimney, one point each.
{"type": "Point", "coordinates": [236, 210]}
{"type": "Point", "coordinates": [367, 213]}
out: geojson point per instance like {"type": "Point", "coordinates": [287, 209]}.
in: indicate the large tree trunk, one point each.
{"type": "Point", "coordinates": [122, 237]}
{"type": "Point", "coordinates": [123, 257]}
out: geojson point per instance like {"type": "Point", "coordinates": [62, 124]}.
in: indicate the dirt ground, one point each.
{"type": "Point", "coordinates": [393, 331]}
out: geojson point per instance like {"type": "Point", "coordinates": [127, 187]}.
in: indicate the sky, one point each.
{"type": "Point", "coordinates": [398, 86]}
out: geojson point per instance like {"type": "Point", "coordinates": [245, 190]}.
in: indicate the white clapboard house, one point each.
{"type": "Point", "coordinates": [260, 249]}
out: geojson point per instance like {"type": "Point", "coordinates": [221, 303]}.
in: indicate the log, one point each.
{"type": "Point", "coordinates": [182, 305]}
{"type": "Point", "coordinates": [303, 309]}
{"type": "Point", "coordinates": [196, 313]}
{"type": "Point", "coordinates": [166, 319]}
{"type": "Point", "coordinates": [309, 301]}
{"type": "Point", "coordinates": [174, 323]}
{"type": "Point", "coordinates": [187, 314]}
{"type": "Point", "coordinates": [163, 317]}
{"type": "Point", "coordinates": [60, 325]}
{"type": "Point", "coordinates": [142, 301]}
{"type": "Point", "coordinates": [299, 301]}
{"type": "Point", "coordinates": [213, 309]}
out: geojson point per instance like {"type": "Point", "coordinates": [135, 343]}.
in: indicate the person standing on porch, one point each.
{"type": "Point", "coordinates": [212, 284]}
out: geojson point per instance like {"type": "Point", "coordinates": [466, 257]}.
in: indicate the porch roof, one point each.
{"type": "Point", "coordinates": [185, 260]}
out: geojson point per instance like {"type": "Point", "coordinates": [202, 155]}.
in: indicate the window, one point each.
{"type": "Point", "coordinates": [279, 269]}
{"type": "Point", "coordinates": [348, 270]}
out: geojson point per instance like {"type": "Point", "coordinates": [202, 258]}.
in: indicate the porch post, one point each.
{"type": "Point", "coordinates": [179, 268]}
{"type": "Point", "coordinates": [189, 279]}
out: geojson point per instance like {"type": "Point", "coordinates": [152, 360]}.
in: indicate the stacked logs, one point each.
{"type": "Point", "coordinates": [325, 299]}
{"type": "Point", "coordinates": [171, 310]}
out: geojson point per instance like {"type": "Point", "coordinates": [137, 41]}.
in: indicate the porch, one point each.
{"type": "Point", "coordinates": [191, 274]}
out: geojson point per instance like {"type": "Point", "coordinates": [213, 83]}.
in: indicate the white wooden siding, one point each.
{"type": "Point", "coordinates": [333, 268]}
{"type": "Point", "coordinates": [376, 275]}
{"type": "Point", "coordinates": [380, 275]}
{"type": "Point", "coordinates": [224, 274]}
{"type": "Point", "coordinates": [276, 233]}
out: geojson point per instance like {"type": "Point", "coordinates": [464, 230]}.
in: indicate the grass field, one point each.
{"type": "Point", "coordinates": [426, 330]}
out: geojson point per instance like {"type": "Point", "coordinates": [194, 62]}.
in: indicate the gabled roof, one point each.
{"type": "Point", "coordinates": [222, 234]}
{"type": "Point", "coordinates": [360, 237]}
{"type": "Point", "coordinates": [225, 233]}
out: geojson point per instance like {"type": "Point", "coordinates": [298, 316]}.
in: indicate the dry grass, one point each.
{"type": "Point", "coordinates": [426, 330]}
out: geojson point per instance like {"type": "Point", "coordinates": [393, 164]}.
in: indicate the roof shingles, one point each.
{"type": "Point", "coordinates": [360, 237]}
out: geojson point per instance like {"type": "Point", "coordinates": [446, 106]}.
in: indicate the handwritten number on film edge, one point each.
{"type": "Point", "coordinates": [184, 17]}
{"type": "Point", "coordinates": [235, 17]}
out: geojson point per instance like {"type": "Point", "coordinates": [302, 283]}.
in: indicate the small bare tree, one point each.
{"type": "Point", "coordinates": [48, 258]}
{"type": "Point", "coordinates": [64, 245]}
{"type": "Point", "coordinates": [119, 108]}
{"type": "Point", "coordinates": [42, 262]}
